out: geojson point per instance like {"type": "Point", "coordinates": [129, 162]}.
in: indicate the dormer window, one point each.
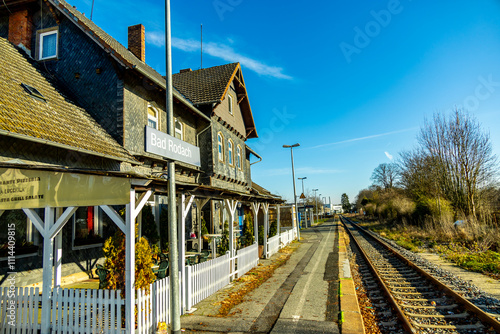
{"type": "Point", "coordinates": [152, 117]}
{"type": "Point", "coordinates": [48, 44]}
{"type": "Point", "coordinates": [230, 103]}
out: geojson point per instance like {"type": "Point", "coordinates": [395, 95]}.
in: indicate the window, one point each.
{"type": "Point", "coordinates": [230, 152]}
{"type": "Point", "coordinates": [220, 146]}
{"type": "Point", "coordinates": [86, 227]}
{"type": "Point", "coordinates": [178, 130]}
{"type": "Point", "coordinates": [239, 161]}
{"type": "Point", "coordinates": [230, 103]}
{"type": "Point", "coordinates": [152, 117]}
{"type": "Point", "coordinates": [15, 224]}
{"type": "Point", "coordinates": [48, 44]}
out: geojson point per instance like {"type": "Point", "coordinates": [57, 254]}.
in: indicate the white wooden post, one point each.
{"type": "Point", "coordinates": [48, 248]}
{"type": "Point", "coordinates": [255, 210]}
{"type": "Point", "coordinates": [132, 210]}
{"type": "Point", "coordinates": [48, 228]}
{"type": "Point", "coordinates": [265, 208]}
{"type": "Point", "coordinates": [231, 209]}
{"type": "Point", "coordinates": [181, 220]}
{"type": "Point", "coordinates": [130, 263]}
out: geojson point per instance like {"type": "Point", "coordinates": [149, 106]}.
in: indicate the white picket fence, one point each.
{"type": "Point", "coordinates": [94, 311]}
{"type": "Point", "coordinates": [273, 245]}
{"type": "Point", "coordinates": [204, 279]}
{"type": "Point", "coordinates": [287, 237]}
{"type": "Point", "coordinates": [19, 310]}
{"type": "Point", "coordinates": [247, 258]}
{"type": "Point", "coordinates": [86, 311]}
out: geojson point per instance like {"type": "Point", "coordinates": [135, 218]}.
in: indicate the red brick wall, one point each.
{"type": "Point", "coordinates": [20, 28]}
{"type": "Point", "coordinates": [136, 41]}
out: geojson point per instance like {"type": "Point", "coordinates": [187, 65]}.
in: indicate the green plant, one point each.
{"type": "Point", "coordinates": [261, 234]}
{"type": "Point", "coordinates": [248, 233]}
{"type": "Point", "coordinates": [204, 230]}
{"type": "Point", "coordinates": [223, 246]}
{"type": "Point", "coordinates": [114, 252]}
{"type": "Point", "coordinates": [273, 228]}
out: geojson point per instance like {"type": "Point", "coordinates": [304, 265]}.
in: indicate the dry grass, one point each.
{"type": "Point", "coordinates": [472, 246]}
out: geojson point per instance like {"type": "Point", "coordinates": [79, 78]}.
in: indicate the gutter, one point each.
{"type": "Point", "coordinates": [254, 153]}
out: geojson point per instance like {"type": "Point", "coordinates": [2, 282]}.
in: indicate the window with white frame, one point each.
{"type": "Point", "coordinates": [178, 129]}
{"type": "Point", "coordinates": [152, 117]}
{"type": "Point", "coordinates": [48, 44]}
{"type": "Point", "coordinates": [230, 152]}
{"type": "Point", "coordinates": [220, 146]}
{"type": "Point", "coordinates": [239, 161]}
{"type": "Point", "coordinates": [86, 228]}
{"type": "Point", "coordinates": [230, 103]}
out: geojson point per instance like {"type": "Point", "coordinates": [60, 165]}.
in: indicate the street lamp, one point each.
{"type": "Point", "coordinates": [316, 206]}
{"type": "Point", "coordinates": [294, 193]}
{"type": "Point", "coordinates": [304, 199]}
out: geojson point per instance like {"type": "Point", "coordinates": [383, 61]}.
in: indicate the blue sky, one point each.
{"type": "Point", "coordinates": [351, 81]}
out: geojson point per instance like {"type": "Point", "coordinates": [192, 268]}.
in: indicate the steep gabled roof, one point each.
{"type": "Point", "coordinates": [210, 85]}
{"type": "Point", "coordinates": [43, 114]}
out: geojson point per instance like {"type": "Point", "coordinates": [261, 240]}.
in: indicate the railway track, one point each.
{"type": "Point", "coordinates": [407, 298]}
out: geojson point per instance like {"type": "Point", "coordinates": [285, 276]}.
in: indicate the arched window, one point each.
{"type": "Point", "coordinates": [239, 160]}
{"type": "Point", "coordinates": [230, 152]}
{"type": "Point", "coordinates": [220, 146]}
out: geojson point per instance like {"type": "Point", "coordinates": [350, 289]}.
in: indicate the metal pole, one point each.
{"type": "Point", "coordinates": [316, 206]}
{"type": "Point", "coordinates": [172, 219]}
{"type": "Point", "coordinates": [295, 197]}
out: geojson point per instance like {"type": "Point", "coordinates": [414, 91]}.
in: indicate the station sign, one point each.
{"type": "Point", "coordinates": [167, 146]}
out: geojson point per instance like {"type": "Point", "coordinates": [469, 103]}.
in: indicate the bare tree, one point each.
{"type": "Point", "coordinates": [385, 175]}
{"type": "Point", "coordinates": [462, 157]}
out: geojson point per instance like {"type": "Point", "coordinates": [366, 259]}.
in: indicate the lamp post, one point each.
{"type": "Point", "coordinates": [316, 206]}
{"type": "Point", "coordinates": [304, 200]}
{"type": "Point", "coordinates": [294, 193]}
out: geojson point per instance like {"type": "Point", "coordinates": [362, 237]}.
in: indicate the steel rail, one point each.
{"type": "Point", "coordinates": [482, 315]}
{"type": "Point", "coordinates": [399, 312]}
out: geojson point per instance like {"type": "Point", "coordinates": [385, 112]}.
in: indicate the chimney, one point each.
{"type": "Point", "coordinates": [137, 41]}
{"type": "Point", "coordinates": [185, 70]}
{"type": "Point", "coordinates": [20, 29]}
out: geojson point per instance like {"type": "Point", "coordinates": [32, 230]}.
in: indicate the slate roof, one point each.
{"type": "Point", "coordinates": [207, 85]}
{"type": "Point", "coordinates": [118, 51]}
{"type": "Point", "coordinates": [263, 192]}
{"type": "Point", "coordinates": [57, 120]}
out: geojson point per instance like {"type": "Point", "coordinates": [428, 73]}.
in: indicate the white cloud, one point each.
{"type": "Point", "coordinates": [221, 51]}
{"type": "Point", "coordinates": [302, 170]}
{"type": "Point", "coordinates": [156, 38]}
{"type": "Point", "coordinates": [363, 138]}
{"type": "Point", "coordinates": [388, 155]}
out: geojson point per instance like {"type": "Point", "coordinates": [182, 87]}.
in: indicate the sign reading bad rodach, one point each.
{"type": "Point", "coordinates": [160, 143]}
{"type": "Point", "coordinates": [28, 188]}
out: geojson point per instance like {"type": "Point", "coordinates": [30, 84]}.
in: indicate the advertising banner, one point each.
{"type": "Point", "coordinates": [25, 188]}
